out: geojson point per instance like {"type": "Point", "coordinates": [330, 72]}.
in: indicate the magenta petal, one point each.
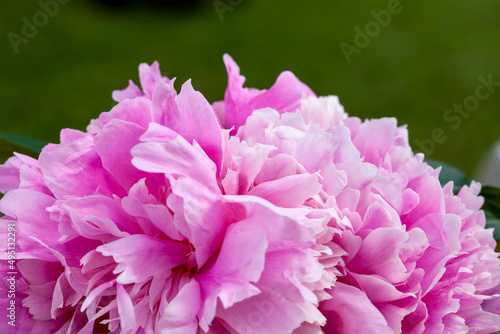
{"type": "Point", "coordinates": [236, 96]}
{"type": "Point", "coordinates": [135, 111]}
{"type": "Point", "coordinates": [140, 257]}
{"type": "Point", "coordinates": [74, 168]}
{"type": "Point", "coordinates": [30, 209]}
{"type": "Point", "coordinates": [163, 99]}
{"type": "Point", "coordinates": [284, 96]}
{"type": "Point", "coordinates": [93, 217]}
{"type": "Point", "coordinates": [140, 203]}
{"type": "Point", "coordinates": [205, 130]}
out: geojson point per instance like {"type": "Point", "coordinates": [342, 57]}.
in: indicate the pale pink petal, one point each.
{"type": "Point", "coordinates": [314, 151]}
{"type": "Point", "coordinates": [350, 311]}
{"type": "Point", "coordinates": [125, 310]}
{"type": "Point", "coordinates": [289, 191]}
{"type": "Point", "coordinates": [9, 174]}
{"type": "Point", "coordinates": [131, 92]}
{"type": "Point", "coordinates": [379, 255]}
{"type": "Point", "coordinates": [179, 316]}
{"type": "Point", "coordinates": [150, 77]}
{"type": "Point", "coordinates": [263, 313]}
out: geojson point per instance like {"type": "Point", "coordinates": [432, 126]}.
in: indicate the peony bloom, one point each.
{"type": "Point", "coordinates": [128, 228]}
{"type": "Point", "coordinates": [407, 255]}
{"type": "Point", "coordinates": [271, 211]}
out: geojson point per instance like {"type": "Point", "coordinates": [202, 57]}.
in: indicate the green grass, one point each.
{"type": "Point", "coordinates": [424, 61]}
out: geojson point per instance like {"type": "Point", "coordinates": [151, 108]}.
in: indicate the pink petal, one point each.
{"type": "Point", "coordinates": [131, 92]}
{"type": "Point", "coordinates": [191, 105]}
{"type": "Point", "coordinates": [379, 255]}
{"type": "Point", "coordinates": [263, 313]}
{"type": "Point", "coordinates": [179, 316]}
{"type": "Point", "coordinates": [198, 215]}
{"type": "Point", "coordinates": [178, 158]}
{"type": "Point", "coordinates": [9, 174]}
{"type": "Point", "coordinates": [290, 191]}
{"type": "Point", "coordinates": [375, 138]}
{"type": "Point", "coordinates": [314, 151]}
{"type": "Point", "coordinates": [125, 310]}
{"type": "Point", "coordinates": [114, 149]}
{"type": "Point", "coordinates": [140, 203]}
{"type": "Point", "coordinates": [140, 257]}
{"type": "Point", "coordinates": [75, 168]}
{"type": "Point", "coordinates": [350, 311]}
{"type": "Point", "coordinates": [284, 96]}
{"type": "Point", "coordinates": [150, 77]}
{"type": "Point", "coordinates": [242, 255]}
{"type": "Point", "coordinates": [135, 111]}
{"type": "Point", "coordinates": [30, 209]}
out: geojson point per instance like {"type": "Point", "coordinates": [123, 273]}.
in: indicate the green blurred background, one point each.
{"type": "Point", "coordinates": [425, 60]}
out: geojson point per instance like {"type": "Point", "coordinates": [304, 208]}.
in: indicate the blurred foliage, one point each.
{"type": "Point", "coordinates": [491, 200]}
{"type": "Point", "coordinates": [10, 143]}
{"type": "Point", "coordinates": [425, 60]}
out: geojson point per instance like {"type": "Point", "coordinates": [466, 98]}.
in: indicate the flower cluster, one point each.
{"type": "Point", "coordinates": [271, 211]}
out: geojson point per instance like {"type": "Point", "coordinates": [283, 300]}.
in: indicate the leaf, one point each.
{"type": "Point", "coordinates": [10, 143]}
{"type": "Point", "coordinates": [34, 145]}
{"type": "Point", "coordinates": [450, 173]}
{"type": "Point", "coordinates": [494, 223]}
{"type": "Point", "coordinates": [491, 200]}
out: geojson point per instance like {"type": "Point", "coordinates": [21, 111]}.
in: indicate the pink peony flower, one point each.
{"type": "Point", "coordinates": [128, 229]}
{"type": "Point", "coordinates": [269, 212]}
{"type": "Point", "coordinates": [407, 255]}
